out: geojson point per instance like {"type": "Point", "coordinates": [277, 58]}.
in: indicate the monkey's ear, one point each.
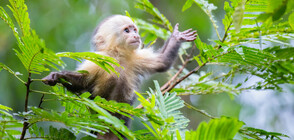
{"type": "Point", "coordinates": [98, 42]}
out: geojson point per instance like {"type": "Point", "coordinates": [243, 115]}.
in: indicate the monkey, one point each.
{"type": "Point", "coordinates": [117, 36]}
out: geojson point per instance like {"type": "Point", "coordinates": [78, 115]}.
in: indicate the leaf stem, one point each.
{"type": "Point", "coordinates": [37, 138]}
{"type": "Point", "coordinates": [30, 64]}
{"type": "Point", "coordinates": [41, 100]}
{"type": "Point", "coordinates": [19, 78]}
{"type": "Point", "coordinates": [25, 124]}
{"type": "Point", "coordinates": [200, 111]}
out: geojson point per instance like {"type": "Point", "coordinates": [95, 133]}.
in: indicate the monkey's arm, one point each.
{"type": "Point", "coordinates": [170, 49]}
{"type": "Point", "coordinates": [74, 81]}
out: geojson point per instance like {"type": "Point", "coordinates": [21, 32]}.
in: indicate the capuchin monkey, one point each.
{"type": "Point", "coordinates": [117, 36]}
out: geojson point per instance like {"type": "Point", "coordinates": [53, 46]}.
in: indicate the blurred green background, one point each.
{"type": "Point", "coordinates": [67, 25]}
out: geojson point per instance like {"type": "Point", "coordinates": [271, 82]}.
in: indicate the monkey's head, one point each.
{"type": "Point", "coordinates": [118, 32]}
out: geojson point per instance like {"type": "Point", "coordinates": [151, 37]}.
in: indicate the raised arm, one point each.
{"type": "Point", "coordinates": [170, 49]}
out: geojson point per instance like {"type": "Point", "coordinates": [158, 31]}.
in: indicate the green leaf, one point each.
{"type": "Point", "coordinates": [165, 115]}
{"type": "Point", "coordinates": [273, 5]}
{"type": "Point", "coordinates": [204, 76]}
{"type": "Point", "coordinates": [291, 20]}
{"type": "Point", "coordinates": [178, 135]}
{"type": "Point", "coordinates": [9, 126]}
{"type": "Point", "coordinates": [2, 66]}
{"type": "Point", "coordinates": [152, 29]}
{"type": "Point", "coordinates": [5, 108]}
{"type": "Point", "coordinates": [263, 17]}
{"type": "Point", "coordinates": [105, 62]}
{"type": "Point", "coordinates": [107, 117]}
{"type": "Point", "coordinates": [187, 5]}
{"type": "Point", "coordinates": [62, 133]}
{"type": "Point", "coordinates": [121, 108]}
{"type": "Point", "coordinates": [279, 12]}
{"type": "Point", "coordinates": [261, 134]}
{"type": "Point", "coordinates": [238, 15]}
{"type": "Point", "coordinates": [83, 71]}
{"type": "Point", "coordinates": [31, 49]}
{"type": "Point", "coordinates": [85, 95]}
{"type": "Point", "coordinates": [223, 128]}
{"type": "Point", "coordinates": [159, 18]}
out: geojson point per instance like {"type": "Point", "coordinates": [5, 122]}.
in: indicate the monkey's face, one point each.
{"type": "Point", "coordinates": [117, 32]}
{"type": "Point", "coordinates": [131, 36]}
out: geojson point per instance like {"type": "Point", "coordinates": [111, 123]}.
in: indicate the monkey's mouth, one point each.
{"type": "Point", "coordinates": [135, 42]}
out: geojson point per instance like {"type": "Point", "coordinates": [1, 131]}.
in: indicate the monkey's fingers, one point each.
{"type": "Point", "coordinates": [176, 28]}
{"type": "Point", "coordinates": [187, 31]}
{"type": "Point", "coordinates": [51, 79]}
{"type": "Point", "coordinates": [191, 33]}
{"type": "Point", "coordinates": [189, 38]}
{"type": "Point", "coordinates": [49, 82]}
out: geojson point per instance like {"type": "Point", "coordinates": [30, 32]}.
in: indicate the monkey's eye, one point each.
{"type": "Point", "coordinates": [127, 30]}
{"type": "Point", "coordinates": [135, 30]}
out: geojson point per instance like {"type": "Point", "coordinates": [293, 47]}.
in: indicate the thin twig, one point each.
{"type": "Point", "coordinates": [25, 124]}
{"type": "Point", "coordinates": [42, 92]}
{"type": "Point", "coordinates": [182, 78]}
{"type": "Point", "coordinates": [41, 100]}
{"type": "Point", "coordinates": [176, 83]}
{"type": "Point", "coordinates": [200, 111]}
{"type": "Point", "coordinates": [37, 138]}
{"type": "Point", "coordinates": [167, 84]}
{"type": "Point", "coordinates": [243, 131]}
{"type": "Point", "coordinates": [226, 34]}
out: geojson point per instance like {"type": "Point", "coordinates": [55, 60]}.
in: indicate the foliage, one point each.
{"type": "Point", "coordinates": [216, 129]}
{"type": "Point", "coordinates": [101, 60]}
{"type": "Point", "coordinates": [163, 114]}
{"type": "Point", "coordinates": [206, 7]}
{"type": "Point", "coordinates": [261, 134]}
{"type": "Point", "coordinates": [32, 51]}
{"type": "Point", "coordinates": [231, 52]}
{"type": "Point", "coordinates": [54, 133]}
{"type": "Point", "coordinates": [158, 17]}
{"type": "Point", "coordinates": [8, 124]}
{"type": "Point", "coordinates": [151, 31]}
{"type": "Point", "coordinates": [256, 42]}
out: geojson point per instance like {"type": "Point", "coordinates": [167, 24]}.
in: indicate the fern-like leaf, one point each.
{"type": "Point", "coordinates": [151, 31]}
{"type": "Point", "coordinates": [9, 127]}
{"type": "Point", "coordinates": [16, 74]}
{"type": "Point", "coordinates": [169, 105]}
{"type": "Point", "coordinates": [163, 113]}
{"type": "Point", "coordinates": [159, 18]}
{"type": "Point", "coordinates": [261, 134]}
{"type": "Point", "coordinates": [32, 51]}
{"type": "Point", "coordinates": [79, 116]}
{"type": "Point", "coordinates": [216, 129]}
{"type": "Point", "coordinates": [105, 62]}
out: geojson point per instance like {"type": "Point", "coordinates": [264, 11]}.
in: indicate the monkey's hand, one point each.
{"type": "Point", "coordinates": [73, 81]}
{"type": "Point", "coordinates": [185, 36]}
{"type": "Point", "coordinates": [53, 78]}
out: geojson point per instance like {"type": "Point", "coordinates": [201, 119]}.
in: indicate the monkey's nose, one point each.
{"type": "Point", "coordinates": [136, 36]}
